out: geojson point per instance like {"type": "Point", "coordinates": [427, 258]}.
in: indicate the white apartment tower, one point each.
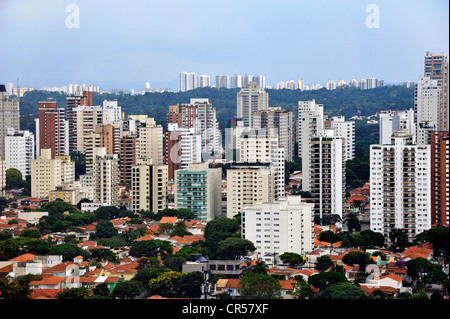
{"type": "Point", "coordinates": [345, 129]}
{"type": "Point", "coordinates": [276, 227]}
{"type": "Point", "coordinates": [279, 123]}
{"type": "Point", "coordinates": [9, 116]}
{"type": "Point", "coordinates": [222, 81]}
{"type": "Point", "coordinates": [19, 150]}
{"type": "Point", "coordinates": [394, 120]}
{"type": "Point", "coordinates": [400, 186]}
{"type": "Point", "coordinates": [427, 108]}
{"type": "Point", "coordinates": [257, 146]}
{"type": "Point", "coordinates": [310, 123]}
{"type": "Point", "coordinates": [112, 112]}
{"type": "Point", "coordinates": [187, 81]}
{"type": "Point", "coordinates": [327, 173]}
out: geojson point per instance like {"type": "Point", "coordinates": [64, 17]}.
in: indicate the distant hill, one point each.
{"type": "Point", "coordinates": [342, 101]}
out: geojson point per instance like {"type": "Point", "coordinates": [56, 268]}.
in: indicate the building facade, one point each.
{"type": "Point", "coordinates": [198, 188]}
{"type": "Point", "coordinates": [280, 226]}
{"type": "Point", "coordinates": [148, 186]}
{"type": "Point", "coordinates": [9, 116]}
{"type": "Point", "coordinates": [400, 186]}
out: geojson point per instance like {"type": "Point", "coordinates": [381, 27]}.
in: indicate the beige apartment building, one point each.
{"type": "Point", "coordinates": [148, 186]}
{"type": "Point", "coordinates": [46, 174]}
{"type": "Point", "coordinates": [150, 143]}
{"type": "Point", "coordinates": [247, 184]}
{"type": "Point", "coordinates": [106, 177]}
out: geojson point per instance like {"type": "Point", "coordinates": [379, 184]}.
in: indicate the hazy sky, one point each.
{"type": "Point", "coordinates": [140, 41]}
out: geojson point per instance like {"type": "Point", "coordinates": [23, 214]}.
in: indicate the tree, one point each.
{"type": "Point", "coordinates": [302, 290]}
{"type": "Point", "coordinates": [105, 229]}
{"type": "Point", "coordinates": [73, 293]}
{"type": "Point", "coordinates": [221, 225]}
{"type": "Point", "coordinates": [353, 222]}
{"type": "Point", "coordinates": [439, 238]}
{"type": "Point", "coordinates": [150, 248]}
{"type": "Point", "coordinates": [260, 267]}
{"type": "Point", "coordinates": [292, 259]}
{"type": "Point", "coordinates": [343, 290]}
{"type": "Point", "coordinates": [259, 286]}
{"type": "Point", "coordinates": [190, 285]}
{"type": "Point", "coordinates": [423, 272]}
{"type": "Point", "coordinates": [234, 248]}
{"type": "Point", "coordinates": [16, 288]}
{"type": "Point", "coordinates": [101, 292]}
{"type": "Point", "coordinates": [174, 262]}
{"type": "Point", "coordinates": [357, 257]}
{"type": "Point", "coordinates": [58, 207]}
{"type": "Point", "coordinates": [399, 239]}
{"type": "Point", "coordinates": [323, 263]}
{"type": "Point", "coordinates": [323, 279]}
{"type": "Point", "coordinates": [166, 284]}
{"type": "Point", "coordinates": [128, 289]}
{"type": "Point", "coordinates": [68, 251]}
{"type": "Point", "coordinates": [14, 179]}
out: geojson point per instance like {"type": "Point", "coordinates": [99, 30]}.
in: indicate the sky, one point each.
{"type": "Point", "coordinates": [123, 44]}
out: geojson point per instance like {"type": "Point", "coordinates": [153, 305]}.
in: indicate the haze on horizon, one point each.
{"type": "Point", "coordinates": [122, 43]}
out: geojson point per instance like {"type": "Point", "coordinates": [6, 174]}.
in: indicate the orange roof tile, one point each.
{"type": "Point", "coordinates": [24, 258]}
{"type": "Point", "coordinates": [44, 293]}
{"type": "Point", "coordinates": [168, 219]}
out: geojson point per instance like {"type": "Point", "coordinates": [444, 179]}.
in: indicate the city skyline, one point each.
{"type": "Point", "coordinates": [116, 45]}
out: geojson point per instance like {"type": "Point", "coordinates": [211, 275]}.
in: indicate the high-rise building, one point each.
{"type": "Point", "coordinates": [127, 157]}
{"type": "Point", "coordinates": [204, 81]}
{"type": "Point", "coordinates": [148, 186]}
{"type": "Point", "coordinates": [46, 174]}
{"type": "Point", "coordinates": [247, 184]}
{"type": "Point", "coordinates": [440, 181]}
{"type": "Point", "coordinates": [222, 81]}
{"type": "Point", "coordinates": [278, 122]}
{"type": "Point", "coordinates": [106, 177]}
{"type": "Point", "coordinates": [19, 150]}
{"type": "Point", "coordinates": [150, 143]}
{"type": "Point", "coordinates": [261, 146]}
{"type": "Point", "coordinates": [400, 186]}
{"type": "Point", "coordinates": [327, 173]}
{"type": "Point", "coordinates": [260, 80]}
{"type": "Point", "coordinates": [87, 117]}
{"type": "Point", "coordinates": [9, 116]}
{"type": "Point", "coordinates": [52, 129]}
{"type": "Point", "coordinates": [198, 188]}
{"type": "Point", "coordinates": [280, 226]}
{"type": "Point", "coordinates": [187, 81]}
{"type": "Point", "coordinates": [251, 99]}
{"type": "Point", "coordinates": [236, 81]}
{"type": "Point", "coordinates": [330, 85]}
{"type": "Point", "coordinates": [310, 123]}
{"type": "Point", "coordinates": [112, 112]}
{"type": "Point", "coordinates": [427, 108]}
{"type": "Point", "coordinates": [394, 120]}
{"type": "Point", "coordinates": [73, 101]}
{"type": "Point", "coordinates": [182, 147]}
{"type": "Point", "coordinates": [345, 129]}
{"type": "Point", "coordinates": [2, 177]}
{"type": "Point", "coordinates": [436, 67]}
{"type": "Point", "coordinates": [200, 116]}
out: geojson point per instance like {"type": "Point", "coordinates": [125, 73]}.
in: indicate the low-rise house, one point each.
{"type": "Point", "coordinates": [287, 288]}
{"type": "Point", "coordinates": [229, 286]}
